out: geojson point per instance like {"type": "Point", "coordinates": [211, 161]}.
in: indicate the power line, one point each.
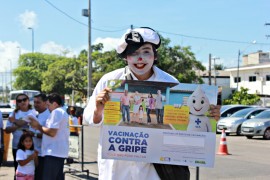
{"type": "Point", "coordinates": [70, 17]}
{"type": "Point", "coordinates": [65, 13]}
{"type": "Point", "coordinates": [207, 38]}
{"type": "Point", "coordinates": [211, 39]}
{"type": "Point", "coordinates": [161, 31]}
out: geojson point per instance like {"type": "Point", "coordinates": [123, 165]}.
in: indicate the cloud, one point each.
{"type": "Point", "coordinates": [9, 51]}
{"type": "Point", "coordinates": [9, 55]}
{"type": "Point", "coordinates": [53, 48]}
{"type": "Point", "coordinates": [108, 43]}
{"type": "Point", "coordinates": [28, 19]}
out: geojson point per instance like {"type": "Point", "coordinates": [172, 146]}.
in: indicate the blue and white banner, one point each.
{"type": "Point", "coordinates": [159, 146]}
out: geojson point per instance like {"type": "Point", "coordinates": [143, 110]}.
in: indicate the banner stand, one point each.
{"type": "Point", "coordinates": [77, 148]}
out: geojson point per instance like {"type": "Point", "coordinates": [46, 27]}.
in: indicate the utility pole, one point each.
{"type": "Point", "coordinates": [215, 73]}
{"type": "Point", "coordinates": [267, 35]}
{"type": "Point", "coordinates": [2, 73]}
{"type": "Point", "coordinates": [5, 86]}
{"type": "Point", "coordinates": [210, 59]}
{"type": "Point", "coordinates": [87, 13]}
{"type": "Point", "coordinates": [32, 29]}
{"type": "Point", "coordinates": [10, 73]}
{"type": "Point", "coordinates": [238, 61]}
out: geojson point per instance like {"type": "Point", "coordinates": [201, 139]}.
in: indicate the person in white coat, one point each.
{"type": "Point", "coordinates": [138, 47]}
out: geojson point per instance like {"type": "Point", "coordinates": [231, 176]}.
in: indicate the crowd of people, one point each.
{"type": "Point", "coordinates": [141, 105]}
{"type": "Point", "coordinates": [40, 141]}
{"type": "Point", "coordinates": [45, 159]}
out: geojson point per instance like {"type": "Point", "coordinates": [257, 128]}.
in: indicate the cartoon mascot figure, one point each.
{"type": "Point", "coordinates": [198, 105]}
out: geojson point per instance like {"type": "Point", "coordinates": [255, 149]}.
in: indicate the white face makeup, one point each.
{"type": "Point", "coordinates": [141, 61]}
{"type": "Point", "coordinates": [198, 102]}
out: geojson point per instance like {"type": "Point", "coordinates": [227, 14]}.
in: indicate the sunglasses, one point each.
{"type": "Point", "coordinates": [21, 100]}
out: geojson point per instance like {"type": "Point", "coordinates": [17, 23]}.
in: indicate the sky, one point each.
{"type": "Point", "coordinates": [219, 27]}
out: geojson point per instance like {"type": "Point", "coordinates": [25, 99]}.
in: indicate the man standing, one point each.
{"type": "Point", "coordinates": [40, 104]}
{"type": "Point", "coordinates": [125, 106]}
{"type": "Point", "coordinates": [55, 140]}
{"type": "Point", "coordinates": [159, 107]}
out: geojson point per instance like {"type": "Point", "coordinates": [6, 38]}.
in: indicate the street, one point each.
{"type": "Point", "coordinates": [249, 160]}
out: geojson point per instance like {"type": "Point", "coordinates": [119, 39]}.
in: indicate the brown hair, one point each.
{"type": "Point", "coordinates": [17, 107]}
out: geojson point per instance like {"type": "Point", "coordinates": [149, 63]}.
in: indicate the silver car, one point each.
{"type": "Point", "coordinates": [258, 126]}
{"type": "Point", "coordinates": [233, 123]}
{"type": "Point", "coordinates": [228, 110]}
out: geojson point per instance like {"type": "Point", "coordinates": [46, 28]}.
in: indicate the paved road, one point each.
{"type": "Point", "coordinates": [249, 160]}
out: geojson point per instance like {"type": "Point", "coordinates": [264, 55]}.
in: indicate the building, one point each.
{"type": "Point", "coordinates": [219, 78]}
{"type": "Point", "coordinates": [253, 74]}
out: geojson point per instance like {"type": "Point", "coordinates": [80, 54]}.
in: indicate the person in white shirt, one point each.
{"type": "Point", "coordinates": [136, 105]}
{"type": "Point", "coordinates": [159, 107]}
{"type": "Point", "coordinates": [55, 139]}
{"type": "Point", "coordinates": [138, 48]}
{"type": "Point", "coordinates": [141, 114]}
{"type": "Point", "coordinates": [16, 125]}
{"type": "Point", "coordinates": [40, 105]}
{"type": "Point", "coordinates": [26, 157]}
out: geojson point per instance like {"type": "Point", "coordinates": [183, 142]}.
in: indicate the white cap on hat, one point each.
{"type": "Point", "coordinates": [138, 36]}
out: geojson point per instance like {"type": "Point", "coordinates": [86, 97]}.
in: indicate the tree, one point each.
{"type": "Point", "coordinates": [242, 97]}
{"type": "Point", "coordinates": [179, 62]}
{"type": "Point", "coordinates": [54, 79]}
{"type": "Point", "coordinates": [54, 73]}
{"type": "Point", "coordinates": [219, 67]}
{"type": "Point", "coordinates": [30, 69]}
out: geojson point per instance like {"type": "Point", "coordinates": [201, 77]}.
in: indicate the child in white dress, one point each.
{"type": "Point", "coordinates": [140, 114]}
{"type": "Point", "coordinates": [26, 157]}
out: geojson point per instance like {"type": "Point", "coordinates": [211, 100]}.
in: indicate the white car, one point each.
{"type": "Point", "coordinates": [258, 126]}
{"type": "Point", "coordinates": [233, 123]}
{"type": "Point", "coordinates": [5, 110]}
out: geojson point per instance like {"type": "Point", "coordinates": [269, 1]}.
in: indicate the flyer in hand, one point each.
{"type": "Point", "coordinates": [160, 122]}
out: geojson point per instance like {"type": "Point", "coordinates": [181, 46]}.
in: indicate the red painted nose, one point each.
{"type": "Point", "coordinates": [139, 59]}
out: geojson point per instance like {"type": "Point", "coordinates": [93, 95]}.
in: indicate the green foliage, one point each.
{"type": "Point", "coordinates": [179, 62]}
{"type": "Point", "coordinates": [242, 97]}
{"type": "Point", "coordinates": [219, 67]}
{"type": "Point", "coordinates": [54, 73]}
{"type": "Point", "coordinates": [31, 66]}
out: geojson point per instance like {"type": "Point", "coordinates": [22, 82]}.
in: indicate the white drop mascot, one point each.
{"type": "Point", "coordinates": [198, 105]}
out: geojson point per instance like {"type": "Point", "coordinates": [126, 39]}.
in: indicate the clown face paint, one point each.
{"type": "Point", "coordinates": [198, 102]}
{"type": "Point", "coordinates": [141, 61]}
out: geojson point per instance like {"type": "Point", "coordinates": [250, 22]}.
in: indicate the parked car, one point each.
{"type": "Point", "coordinates": [228, 110]}
{"type": "Point", "coordinates": [6, 110]}
{"type": "Point", "coordinates": [258, 126]}
{"type": "Point", "coordinates": [233, 123]}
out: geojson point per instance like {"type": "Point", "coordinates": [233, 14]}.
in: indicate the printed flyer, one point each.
{"type": "Point", "coordinates": [160, 122]}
